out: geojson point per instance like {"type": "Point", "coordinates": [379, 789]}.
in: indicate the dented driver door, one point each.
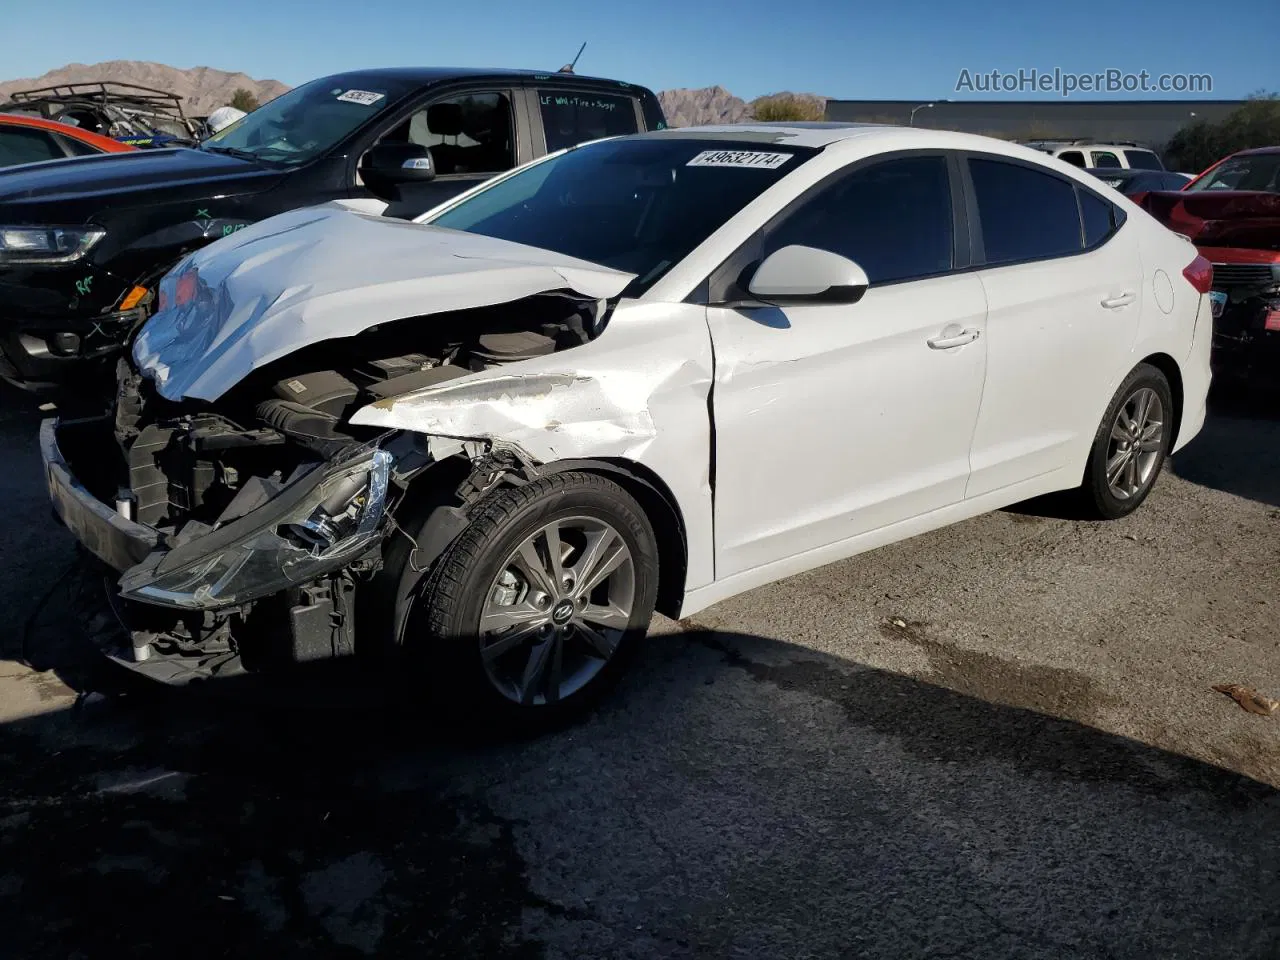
{"type": "Point", "coordinates": [834, 420]}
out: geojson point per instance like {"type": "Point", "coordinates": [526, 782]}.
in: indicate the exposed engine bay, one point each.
{"type": "Point", "coordinates": [195, 472]}
{"type": "Point", "coordinates": [204, 465]}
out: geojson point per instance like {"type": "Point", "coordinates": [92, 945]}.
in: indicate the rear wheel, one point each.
{"type": "Point", "coordinates": [530, 615]}
{"type": "Point", "coordinates": [1130, 446]}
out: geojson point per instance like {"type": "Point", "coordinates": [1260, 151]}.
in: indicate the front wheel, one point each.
{"type": "Point", "coordinates": [1130, 446]}
{"type": "Point", "coordinates": [530, 615]}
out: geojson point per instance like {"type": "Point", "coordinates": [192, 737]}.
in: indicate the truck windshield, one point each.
{"type": "Point", "coordinates": [298, 126]}
{"type": "Point", "coordinates": [637, 204]}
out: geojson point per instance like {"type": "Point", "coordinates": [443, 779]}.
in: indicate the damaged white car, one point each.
{"type": "Point", "coordinates": [645, 373]}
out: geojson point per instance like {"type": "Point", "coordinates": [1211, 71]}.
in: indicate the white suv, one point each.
{"type": "Point", "coordinates": [1090, 155]}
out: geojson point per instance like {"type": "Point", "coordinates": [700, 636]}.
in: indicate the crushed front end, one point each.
{"type": "Point", "coordinates": [236, 546]}
{"type": "Point", "coordinates": [238, 535]}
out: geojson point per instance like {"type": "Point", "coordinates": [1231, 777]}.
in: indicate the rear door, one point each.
{"type": "Point", "coordinates": [565, 115]}
{"type": "Point", "coordinates": [1063, 282]}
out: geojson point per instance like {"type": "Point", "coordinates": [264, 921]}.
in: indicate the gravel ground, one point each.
{"type": "Point", "coordinates": [998, 740]}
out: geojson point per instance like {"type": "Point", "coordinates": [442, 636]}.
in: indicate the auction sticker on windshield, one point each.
{"type": "Point", "coordinates": [755, 159]}
{"type": "Point", "coordinates": [364, 97]}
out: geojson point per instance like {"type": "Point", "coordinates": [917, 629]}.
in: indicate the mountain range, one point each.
{"type": "Point", "coordinates": [204, 89]}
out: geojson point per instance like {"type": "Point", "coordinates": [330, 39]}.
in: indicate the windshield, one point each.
{"type": "Point", "coordinates": [1259, 171]}
{"type": "Point", "coordinates": [298, 126]}
{"type": "Point", "coordinates": [638, 204]}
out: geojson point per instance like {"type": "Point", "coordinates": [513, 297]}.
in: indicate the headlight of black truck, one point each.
{"type": "Point", "coordinates": [46, 245]}
{"type": "Point", "coordinates": [323, 521]}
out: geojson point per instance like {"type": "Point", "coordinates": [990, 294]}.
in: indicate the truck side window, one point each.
{"type": "Point", "coordinates": [569, 118]}
{"type": "Point", "coordinates": [471, 133]}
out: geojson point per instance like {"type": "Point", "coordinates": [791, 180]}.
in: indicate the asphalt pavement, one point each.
{"type": "Point", "coordinates": [997, 740]}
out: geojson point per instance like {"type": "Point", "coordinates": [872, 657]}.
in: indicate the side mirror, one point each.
{"type": "Point", "coordinates": [389, 165]}
{"type": "Point", "coordinates": [797, 274]}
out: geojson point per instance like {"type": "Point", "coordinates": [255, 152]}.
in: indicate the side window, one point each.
{"type": "Point", "coordinates": [1106, 160]}
{"type": "Point", "coordinates": [1098, 217]}
{"type": "Point", "coordinates": [1073, 157]}
{"type": "Point", "coordinates": [1143, 160]}
{"type": "Point", "coordinates": [19, 145]}
{"type": "Point", "coordinates": [569, 118]}
{"type": "Point", "coordinates": [1025, 214]}
{"type": "Point", "coordinates": [893, 219]}
{"type": "Point", "coordinates": [471, 133]}
{"type": "Point", "coordinates": [76, 148]}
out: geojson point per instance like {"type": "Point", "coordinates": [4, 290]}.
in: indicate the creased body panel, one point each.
{"type": "Point", "coordinates": [326, 272]}
{"type": "Point", "coordinates": [637, 393]}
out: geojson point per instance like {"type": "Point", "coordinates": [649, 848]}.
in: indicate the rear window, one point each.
{"type": "Point", "coordinates": [1143, 160]}
{"type": "Point", "coordinates": [569, 118]}
{"type": "Point", "coordinates": [1073, 157]}
{"type": "Point", "coordinates": [1025, 214]}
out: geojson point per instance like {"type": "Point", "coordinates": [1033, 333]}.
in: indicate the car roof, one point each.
{"type": "Point", "coordinates": [819, 134]}
{"type": "Point", "coordinates": [425, 76]}
{"type": "Point", "coordinates": [1256, 150]}
{"type": "Point", "coordinates": [105, 144]}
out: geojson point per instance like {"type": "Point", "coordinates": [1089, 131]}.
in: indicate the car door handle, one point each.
{"type": "Point", "coordinates": [1113, 303]}
{"type": "Point", "coordinates": [941, 342]}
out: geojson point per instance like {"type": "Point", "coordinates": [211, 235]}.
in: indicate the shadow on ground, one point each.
{"type": "Point", "coordinates": [736, 797]}
{"type": "Point", "coordinates": [1238, 451]}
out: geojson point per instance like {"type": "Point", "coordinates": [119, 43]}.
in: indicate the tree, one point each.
{"type": "Point", "coordinates": [1255, 123]}
{"type": "Point", "coordinates": [244, 100]}
{"type": "Point", "coordinates": [788, 106]}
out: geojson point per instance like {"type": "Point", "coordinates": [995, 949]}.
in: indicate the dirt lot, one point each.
{"type": "Point", "coordinates": [998, 740]}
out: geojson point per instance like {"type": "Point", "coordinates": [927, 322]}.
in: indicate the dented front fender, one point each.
{"type": "Point", "coordinates": [639, 392]}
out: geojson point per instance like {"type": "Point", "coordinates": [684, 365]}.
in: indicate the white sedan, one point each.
{"type": "Point", "coordinates": [649, 372]}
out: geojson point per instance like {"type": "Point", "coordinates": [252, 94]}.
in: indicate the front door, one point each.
{"type": "Point", "coordinates": [835, 420]}
{"type": "Point", "coordinates": [472, 137]}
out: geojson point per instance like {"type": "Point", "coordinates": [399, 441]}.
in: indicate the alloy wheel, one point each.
{"type": "Point", "coordinates": [1137, 439]}
{"type": "Point", "coordinates": [557, 611]}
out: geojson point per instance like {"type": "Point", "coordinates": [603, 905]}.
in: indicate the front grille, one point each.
{"type": "Point", "coordinates": [1244, 275]}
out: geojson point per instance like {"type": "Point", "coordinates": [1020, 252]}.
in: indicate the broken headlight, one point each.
{"type": "Point", "coordinates": [330, 527]}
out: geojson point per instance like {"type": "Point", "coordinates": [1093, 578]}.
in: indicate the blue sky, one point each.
{"type": "Point", "coordinates": [900, 50]}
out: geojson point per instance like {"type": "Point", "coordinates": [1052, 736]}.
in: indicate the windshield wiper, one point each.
{"type": "Point", "coordinates": [232, 151]}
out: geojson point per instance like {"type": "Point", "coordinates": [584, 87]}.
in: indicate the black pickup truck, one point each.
{"type": "Point", "coordinates": [84, 241]}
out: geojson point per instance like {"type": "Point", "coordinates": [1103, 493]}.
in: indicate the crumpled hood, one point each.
{"type": "Point", "coordinates": [1219, 218]}
{"type": "Point", "coordinates": [325, 272]}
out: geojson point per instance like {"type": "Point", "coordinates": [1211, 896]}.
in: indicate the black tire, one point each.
{"type": "Point", "coordinates": [441, 615]}
{"type": "Point", "coordinates": [1095, 496]}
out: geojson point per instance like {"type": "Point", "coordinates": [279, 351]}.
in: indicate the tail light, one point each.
{"type": "Point", "coordinates": [1199, 273]}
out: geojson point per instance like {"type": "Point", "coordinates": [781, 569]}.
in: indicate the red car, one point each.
{"type": "Point", "coordinates": [1231, 212]}
{"type": "Point", "coordinates": [26, 139]}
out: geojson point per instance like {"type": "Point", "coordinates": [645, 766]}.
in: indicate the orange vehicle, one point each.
{"type": "Point", "coordinates": [26, 139]}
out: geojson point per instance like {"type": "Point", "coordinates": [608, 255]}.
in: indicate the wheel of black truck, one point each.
{"type": "Point", "coordinates": [531, 613]}
{"type": "Point", "coordinates": [1130, 446]}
